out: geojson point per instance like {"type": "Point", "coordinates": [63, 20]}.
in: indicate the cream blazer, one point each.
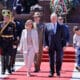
{"type": "Point", "coordinates": [23, 41]}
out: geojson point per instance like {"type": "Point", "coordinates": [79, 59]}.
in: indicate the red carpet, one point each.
{"type": "Point", "coordinates": [69, 55]}
{"type": "Point", "coordinates": [66, 73]}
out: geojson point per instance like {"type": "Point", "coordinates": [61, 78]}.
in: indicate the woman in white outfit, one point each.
{"type": "Point", "coordinates": [29, 44]}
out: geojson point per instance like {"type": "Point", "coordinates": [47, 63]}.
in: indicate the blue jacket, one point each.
{"type": "Point", "coordinates": [66, 28]}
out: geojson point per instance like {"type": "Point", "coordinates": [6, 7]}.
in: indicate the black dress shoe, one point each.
{"type": "Point", "coordinates": [78, 68]}
{"type": "Point", "coordinates": [13, 70]}
{"type": "Point", "coordinates": [3, 73]}
{"type": "Point", "coordinates": [37, 70]}
{"type": "Point", "coordinates": [58, 74]}
{"type": "Point", "coordinates": [9, 71]}
{"type": "Point", "coordinates": [50, 75]}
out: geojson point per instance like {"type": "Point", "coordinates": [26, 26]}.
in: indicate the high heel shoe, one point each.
{"type": "Point", "coordinates": [28, 74]}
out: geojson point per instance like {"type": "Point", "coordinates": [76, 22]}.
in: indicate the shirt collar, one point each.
{"type": "Point", "coordinates": [54, 23]}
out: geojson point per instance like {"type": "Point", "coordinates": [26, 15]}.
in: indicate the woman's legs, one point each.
{"type": "Point", "coordinates": [28, 59]}
{"type": "Point", "coordinates": [25, 55]}
{"type": "Point", "coordinates": [31, 55]}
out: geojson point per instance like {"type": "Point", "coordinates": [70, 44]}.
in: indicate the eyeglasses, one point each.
{"type": "Point", "coordinates": [77, 29]}
{"type": "Point", "coordinates": [61, 19]}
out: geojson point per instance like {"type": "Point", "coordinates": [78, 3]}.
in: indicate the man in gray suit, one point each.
{"type": "Point", "coordinates": [40, 28]}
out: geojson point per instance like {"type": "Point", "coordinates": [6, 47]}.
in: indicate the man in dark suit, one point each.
{"type": "Point", "coordinates": [54, 42]}
{"type": "Point", "coordinates": [17, 6]}
{"type": "Point", "coordinates": [66, 28]}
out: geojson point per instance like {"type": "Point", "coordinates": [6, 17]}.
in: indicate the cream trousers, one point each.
{"type": "Point", "coordinates": [29, 57]}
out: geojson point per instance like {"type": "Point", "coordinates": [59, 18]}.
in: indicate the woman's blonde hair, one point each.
{"type": "Point", "coordinates": [28, 21]}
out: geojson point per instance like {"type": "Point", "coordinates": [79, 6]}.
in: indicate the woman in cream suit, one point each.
{"type": "Point", "coordinates": [29, 44]}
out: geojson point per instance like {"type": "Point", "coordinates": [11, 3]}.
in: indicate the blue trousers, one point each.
{"type": "Point", "coordinates": [78, 56]}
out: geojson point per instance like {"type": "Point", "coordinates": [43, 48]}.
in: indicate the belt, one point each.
{"type": "Point", "coordinates": [7, 36]}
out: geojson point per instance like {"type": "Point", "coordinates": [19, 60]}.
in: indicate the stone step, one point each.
{"type": "Point", "coordinates": [64, 60]}
{"type": "Point", "coordinates": [19, 59]}
{"type": "Point", "coordinates": [69, 55]}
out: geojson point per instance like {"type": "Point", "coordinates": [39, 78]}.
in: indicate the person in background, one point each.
{"type": "Point", "coordinates": [23, 6]}
{"type": "Point", "coordinates": [54, 43]}
{"type": "Point", "coordinates": [7, 40]}
{"type": "Point", "coordinates": [66, 28]}
{"type": "Point", "coordinates": [39, 26]}
{"type": "Point", "coordinates": [17, 6]}
{"type": "Point", "coordinates": [29, 44]}
{"type": "Point", "coordinates": [26, 4]}
{"type": "Point", "coordinates": [13, 56]}
{"type": "Point", "coordinates": [76, 44]}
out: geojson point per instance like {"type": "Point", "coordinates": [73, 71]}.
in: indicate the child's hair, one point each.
{"type": "Point", "coordinates": [76, 28]}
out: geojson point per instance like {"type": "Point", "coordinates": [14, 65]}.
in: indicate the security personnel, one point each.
{"type": "Point", "coordinates": [13, 55]}
{"type": "Point", "coordinates": [7, 39]}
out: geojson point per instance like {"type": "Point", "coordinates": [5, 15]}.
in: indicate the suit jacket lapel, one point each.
{"type": "Point", "coordinates": [25, 35]}
{"type": "Point", "coordinates": [57, 27]}
{"type": "Point", "coordinates": [33, 36]}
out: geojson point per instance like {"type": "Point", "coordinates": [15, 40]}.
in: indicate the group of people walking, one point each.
{"type": "Point", "coordinates": [7, 41]}
{"type": "Point", "coordinates": [36, 37]}
{"type": "Point", "coordinates": [31, 42]}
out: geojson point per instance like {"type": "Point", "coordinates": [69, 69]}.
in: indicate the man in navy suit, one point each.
{"type": "Point", "coordinates": [54, 42]}
{"type": "Point", "coordinates": [66, 28]}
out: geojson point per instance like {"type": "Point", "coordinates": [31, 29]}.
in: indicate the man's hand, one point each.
{"type": "Point", "coordinates": [64, 48]}
{"type": "Point", "coordinates": [14, 46]}
{"type": "Point", "coordinates": [67, 44]}
{"type": "Point", "coordinates": [45, 49]}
